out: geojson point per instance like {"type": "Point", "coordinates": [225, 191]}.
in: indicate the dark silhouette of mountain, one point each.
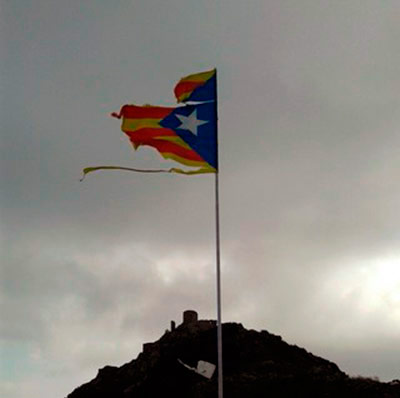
{"type": "Point", "coordinates": [256, 364]}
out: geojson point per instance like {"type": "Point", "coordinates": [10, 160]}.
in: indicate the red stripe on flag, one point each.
{"type": "Point", "coordinates": [145, 112]}
{"type": "Point", "coordinates": [164, 146]}
{"type": "Point", "coordinates": [170, 147]}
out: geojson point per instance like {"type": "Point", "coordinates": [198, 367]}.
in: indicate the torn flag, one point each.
{"type": "Point", "coordinates": [186, 134]}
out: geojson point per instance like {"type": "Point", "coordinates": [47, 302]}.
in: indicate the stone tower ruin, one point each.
{"type": "Point", "coordinates": [189, 316]}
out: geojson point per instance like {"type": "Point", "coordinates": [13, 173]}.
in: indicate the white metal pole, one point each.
{"type": "Point", "coordinates": [219, 304]}
{"type": "Point", "coordinates": [219, 321]}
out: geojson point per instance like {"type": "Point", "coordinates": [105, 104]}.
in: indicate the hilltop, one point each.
{"type": "Point", "coordinates": [256, 364]}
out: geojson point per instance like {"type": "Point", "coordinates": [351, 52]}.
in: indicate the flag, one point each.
{"type": "Point", "coordinates": [198, 87]}
{"type": "Point", "coordinates": [186, 134]}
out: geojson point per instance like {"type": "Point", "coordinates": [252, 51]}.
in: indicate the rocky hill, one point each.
{"type": "Point", "coordinates": [256, 364]}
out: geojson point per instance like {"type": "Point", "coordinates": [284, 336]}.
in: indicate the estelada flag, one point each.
{"type": "Point", "coordinates": [185, 134]}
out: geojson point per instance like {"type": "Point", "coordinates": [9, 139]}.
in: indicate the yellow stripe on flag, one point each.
{"type": "Point", "coordinates": [176, 140]}
{"type": "Point", "coordinates": [135, 124]}
{"type": "Point", "coordinates": [198, 77]}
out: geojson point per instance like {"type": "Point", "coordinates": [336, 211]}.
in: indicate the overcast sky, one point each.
{"type": "Point", "coordinates": [309, 178]}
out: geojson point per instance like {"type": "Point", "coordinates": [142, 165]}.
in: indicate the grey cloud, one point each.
{"type": "Point", "coordinates": [308, 109]}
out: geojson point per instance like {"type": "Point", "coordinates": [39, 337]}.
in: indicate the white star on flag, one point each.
{"type": "Point", "coordinates": [191, 122]}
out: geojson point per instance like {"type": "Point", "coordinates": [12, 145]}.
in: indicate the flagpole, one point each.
{"type": "Point", "coordinates": [219, 322]}
{"type": "Point", "coordinates": [218, 261]}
